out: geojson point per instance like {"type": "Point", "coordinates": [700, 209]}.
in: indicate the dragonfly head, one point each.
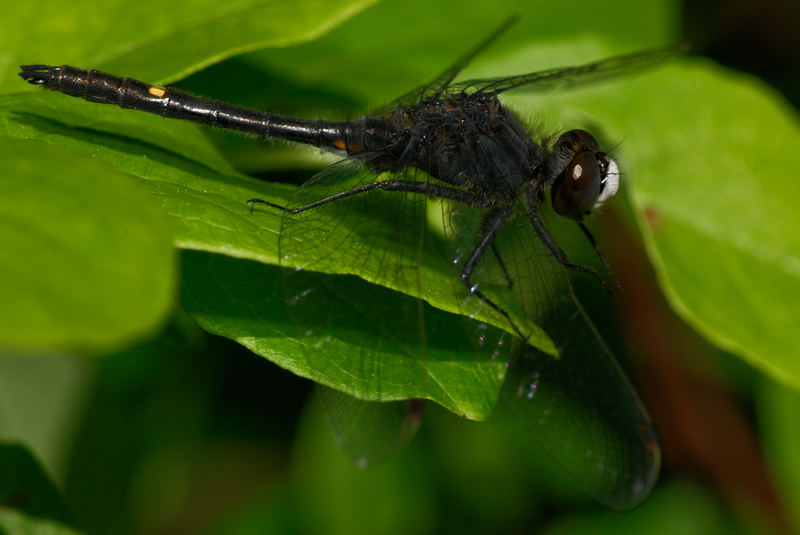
{"type": "Point", "coordinates": [585, 178]}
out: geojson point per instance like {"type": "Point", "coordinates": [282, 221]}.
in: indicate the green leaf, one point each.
{"type": "Point", "coordinates": [715, 196]}
{"type": "Point", "coordinates": [155, 40]}
{"type": "Point", "coordinates": [87, 262]}
{"type": "Point", "coordinates": [206, 201]}
{"type": "Point", "coordinates": [174, 161]}
{"type": "Point", "coordinates": [326, 333]}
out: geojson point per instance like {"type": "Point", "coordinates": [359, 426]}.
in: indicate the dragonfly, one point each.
{"type": "Point", "coordinates": [455, 171]}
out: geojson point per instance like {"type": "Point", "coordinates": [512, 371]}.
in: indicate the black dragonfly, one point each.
{"type": "Point", "coordinates": [454, 147]}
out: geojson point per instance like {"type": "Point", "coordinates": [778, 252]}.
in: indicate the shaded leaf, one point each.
{"type": "Point", "coordinates": [327, 334]}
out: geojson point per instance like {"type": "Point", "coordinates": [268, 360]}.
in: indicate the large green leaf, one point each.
{"type": "Point", "coordinates": [173, 160]}
{"type": "Point", "coordinates": [716, 202]}
{"type": "Point", "coordinates": [724, 236]}
{"type": "Point", "coordinates": [328, 334]}
{"type": "Point", "coordinates": [156, 40]}
{"type": "Point", "coordinates": [87, 261]}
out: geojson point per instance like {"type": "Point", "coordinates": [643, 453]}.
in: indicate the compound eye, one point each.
{"type": "Point", "coordinates": [583, 171]}
{"type": "Point", "coordinates": [578, 141]}
{"type": "Point", "coordinates": [578, 187]}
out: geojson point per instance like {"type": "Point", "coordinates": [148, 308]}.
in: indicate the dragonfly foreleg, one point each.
{"type": "Point", "coordinates": [600, 255]}
{"type": "Point", "coordinates": [553, 247]}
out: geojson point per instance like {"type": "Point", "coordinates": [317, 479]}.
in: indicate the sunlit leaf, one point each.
{"type": "Point", "coordinates": [156, 40]}
{"type": "Point", "coordinates": [87, 261]}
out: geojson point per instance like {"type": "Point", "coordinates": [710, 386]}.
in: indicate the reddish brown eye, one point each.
{"type": "Point", "coordinates": [576, 190]}
{"type": "Point", "coordinates": [583, 171]}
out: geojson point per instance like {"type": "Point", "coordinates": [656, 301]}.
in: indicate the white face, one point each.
{"type": "Point", "coordinates": [610, 185]}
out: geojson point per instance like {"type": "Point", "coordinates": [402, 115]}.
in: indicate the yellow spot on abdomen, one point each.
{"type": "Point", "coordinates": [339, 144]}
{"type": "Point", "coordinates": [156, 91]}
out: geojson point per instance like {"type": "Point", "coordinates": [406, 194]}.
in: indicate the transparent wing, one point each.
{"type": "Point", "coordinates": [439, 85]}
{"type": "Point", "coordinates": [563, 78]}
{"type": "Point", "coordinates": [383, 237]}
{"type": "Point", "coordinates": [581, 409]}
{"type": "Point", "coordinates": [370, 432]}
{"type": "Point", "coordinates": [362, 337]}
{"type": "Point", "coordinates": [579, 406]}
{"type": "Point", "coordinates": [358, 234]}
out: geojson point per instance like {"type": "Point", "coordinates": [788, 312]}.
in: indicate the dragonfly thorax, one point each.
{"type": "Point", "coordinates": [469, 140]}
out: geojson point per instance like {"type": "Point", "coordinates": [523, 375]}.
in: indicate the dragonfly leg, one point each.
{"type": "Point", "coordinates": [492, 228]}
{"type": "Point", "coordinates": [553, 247]}
{"type": "Point", "coordinates": [485, 224]}
{"type": "Point", "coordinates": [425, 188]}
{"type": "Point", "coordinates": [600, 255]}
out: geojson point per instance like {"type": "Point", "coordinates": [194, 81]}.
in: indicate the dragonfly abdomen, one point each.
{"type": "Point", "coordinates": [353, 137]}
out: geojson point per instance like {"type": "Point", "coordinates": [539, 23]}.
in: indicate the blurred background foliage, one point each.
{"type": "Point", "coordinates": [167, 429]}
